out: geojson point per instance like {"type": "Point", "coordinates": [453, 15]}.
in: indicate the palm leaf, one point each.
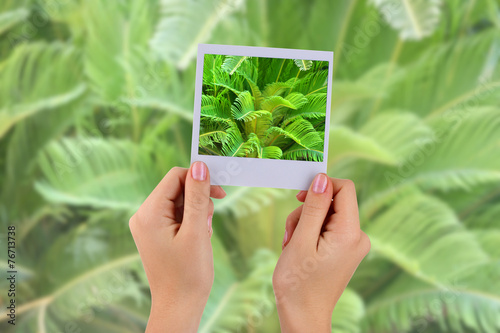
{"type": "Point", "coordinates": [86, 275]}
{"type": "Point", "coordinates": [244, 201]}
{"type": "Point", "coordinates": [455, 76]}
{"type": "Point", "coordinates": [232, 63]}
{"type": "Point", "coordinates": [213, 132]}
{"type": "Point", "coordinates": [345, 142]}
{"type": "Point", "coordinates": [314, 82]}
{"type": "Point", "coordinates": [183, 25]}
{"type": "Point", "coordinates": [277, 88]}
{"type": "Point", "coordinates": [11, 18]}
{"type": "Point", "coordinates": [392, 229]}
{"type": "Point", "coordinates": [270, 152]}
{"type": "Point", "coordinates": [399, 132]}
{"type": "Point", "coordinates": [303, 65]}
{"type": "Point", "coordinates": [99, 173]}
{"type": "Point", "coordinates": [259, 125]}
{"type": "Point", "coordinates": [348, 313]}
{"type": "Point", "coordinates": [298, 152]}
{"type": "Point", "coordinates": [235, 145]}
{"type": "Point", "coordinates": [314, 108]}
{"type": "Point", "coordinates": [30, 86]}
{"type": "Point", "coordinates": [414, 20]}
{"type": "Point", "coordinates": [470, 303]}
{"type": "Point", "coordinates": [114, 61]}
{"type": "Point", "coordinates": [233, 302]}
{"type": "Point", "coordinates": [216, 108]}
{"type": "Point", "coordinates": [243, 108]}
{"type": "Point", "coordinates": [300, 131]}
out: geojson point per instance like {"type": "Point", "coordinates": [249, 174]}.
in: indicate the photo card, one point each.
{"type": "Point", "coordinates": [262, 115]}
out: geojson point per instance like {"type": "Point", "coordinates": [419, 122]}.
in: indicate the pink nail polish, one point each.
{"type": "Point", "coordinates": [319, 183]}
{"type": "Point", "coordinates": [285, 238]}
{"type": "Point", "coordinates": [199, 171]}
{"type": "Point", "coordinates": [210, 223]}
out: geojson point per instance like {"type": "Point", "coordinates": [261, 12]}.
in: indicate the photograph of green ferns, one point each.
{"type": "Point", "coordinates": [263, 107]}
{"type": "Point", "coordinates": [96, 106]}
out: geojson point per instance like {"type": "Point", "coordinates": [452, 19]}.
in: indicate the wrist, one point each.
{"type": "Point", "coordinates": [297, 319]}
{"type": "Point", "coordinates": [175, 315]}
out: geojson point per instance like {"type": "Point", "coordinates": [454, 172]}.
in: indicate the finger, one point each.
{"type": "Point", "coordinates": [217, 192]}
{"type": "Point", "coordinates": [210, 207]}
{"type": "Point", "coordinates": [159, 208]}
{"type": "Point", "coordinates": [314, 212]}
{"type": "Point", "coordinates": [196, 199]}
{"type": "Point", "coordinates": [291, 224]}
{"type": "Point", "coordinates": [301, 196]}
{"type": "Point", "coordinates": [210, 215]}
{"type": "Point", "coordinates": [345, 217]}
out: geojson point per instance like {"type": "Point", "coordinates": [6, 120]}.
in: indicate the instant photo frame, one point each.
{"type": "Point", "coordinates": [252, 171]}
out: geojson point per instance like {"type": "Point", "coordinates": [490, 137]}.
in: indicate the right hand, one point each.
{"type": "Point", "coordinates": [322, 248]}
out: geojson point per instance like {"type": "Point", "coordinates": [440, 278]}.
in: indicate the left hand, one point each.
{"type": "Point", "coordinates": [172, 230]}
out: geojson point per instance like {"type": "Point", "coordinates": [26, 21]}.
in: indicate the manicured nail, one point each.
{"type": "Point", "coordinates": [199, 171]}
{"type": "Point", "coordinates": [210, 223]}
{"type": "Point", "coordinates": [319, 184]}
{"type": "Point", "coordinates": [285, 238]}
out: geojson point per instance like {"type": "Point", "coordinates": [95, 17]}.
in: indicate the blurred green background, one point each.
{"type": "Point", "coordinates": [96, 104]}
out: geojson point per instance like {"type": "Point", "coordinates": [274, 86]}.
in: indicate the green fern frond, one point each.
{"type": "Point", "coordinates": [37, 86]}
{"type": "Point", "coordinates": [271, 152]}
{"type": "Point", "coordinates": [183, 25]}
{"type": "Point", "coordinates": [311, 83]}
{"type": "Point", "coordinates": [10, 18]}
{"type": "Point", "coordinates": [215, 107]}
{"type": "Point", "coordinates": [211, 133]}
{"type": "Point", "coordinates": [391, 229]}
{"type": "Point", "coordinates": [235, 145]}
{"type": "Point", "coordinates": [256, 93]}
{"type": "Point", "coordinates": [300, 153]}
{"type": "Point", "coordinates": [232, 63]}
{"type": "Point", "coordinates": [275, 103]}
{"type": "Point", "coordinates": [414, 20]}
{"type": "Point", "coordinates": [303, 65]}
{"type": "Point", "coordinates": [302, 132]}
{"type": "Point", "coordinates": [244, 201]}
{"type": "Point", "coordinates": [314, 108]}
{"type": "Point", "coordinates": [348, 143]}
{"type": "Point", "coordinates": [278, 105]}
{"type": "Point", "coordinates": [277, 88]}
{"type": "Point", "coordinates": [234, 300]}
{"type": "Point", "coordinates": [259, 125]}
{"type": "Point", "coordinates": [348, 313]}
{"type": "Point", "coordinates": [99, 173]}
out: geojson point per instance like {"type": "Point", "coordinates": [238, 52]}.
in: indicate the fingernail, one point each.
{"type": "Point", "coordinates": [210, 223]}
{"type": "Point", "coordinates": [199, 171]}
{"type": "Point", "coordinates": [319, 184]}
{"type": "Point", "coordinates": [285, 238]}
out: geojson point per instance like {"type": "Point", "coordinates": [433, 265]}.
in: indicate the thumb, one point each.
{"type": "Point", "coordinates": [314, 211]}
{"type": "Point", "coordinates": [196, 199]}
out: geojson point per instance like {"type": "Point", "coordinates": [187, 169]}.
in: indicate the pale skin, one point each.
{"type": "Point", "coordinates": [322, 247]}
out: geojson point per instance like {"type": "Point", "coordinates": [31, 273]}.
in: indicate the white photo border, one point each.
{"type": "Point", "coordinates": [259, 172]}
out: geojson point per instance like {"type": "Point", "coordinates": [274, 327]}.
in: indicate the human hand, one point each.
{"type": "Point", "coordinates": [322, 247]}
{"type": "Point", "coordinates": [172, 231]}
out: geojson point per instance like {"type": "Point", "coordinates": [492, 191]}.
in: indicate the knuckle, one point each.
{"type": "Point", "coordinates": [211, 206]}
{"type": "Point", "coordinates": [312, 210]}
{"type": "Point", "coordinates": [289, 221]}
{"type": "Point", "coordinates": [365, 243]}
{"type": "Point", "coordinates": [176, 169]}
{"type": "Point", "coordinates": [131, 223]}
{"type": "Point", "coordinates": [195, 198]}
{"type": "Point", "coordinates": [351, 239]}
{"type": "Point", "coordinates": [348, 183]}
